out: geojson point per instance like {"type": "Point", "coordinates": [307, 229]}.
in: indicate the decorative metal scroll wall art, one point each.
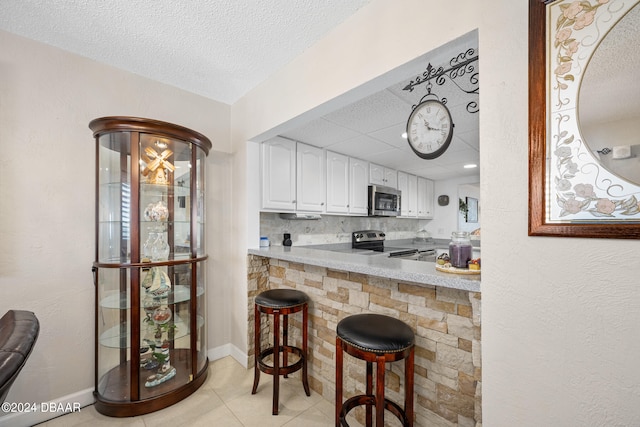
{"type": "Point", "coordinates": [462, 72]}
{"type": "Point", "coordinates": [571, 193]}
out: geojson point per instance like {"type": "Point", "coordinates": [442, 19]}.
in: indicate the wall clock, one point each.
{"type": "Point", "coordinates": [443, 200]}
{"type": "Point", "coordinates": [430, 129]}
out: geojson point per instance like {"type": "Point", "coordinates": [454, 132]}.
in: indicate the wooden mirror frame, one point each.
{"type": "Point", "coordinates": [538, 225]}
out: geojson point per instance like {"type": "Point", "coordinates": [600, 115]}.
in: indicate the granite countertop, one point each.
{"type": "Point", "coordinates": [371, 263]}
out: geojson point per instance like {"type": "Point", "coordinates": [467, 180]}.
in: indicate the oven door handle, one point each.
{"type": "Point", "coordinates": [403, 253]}
{"type": "Point", "coordinates": [427, 252]}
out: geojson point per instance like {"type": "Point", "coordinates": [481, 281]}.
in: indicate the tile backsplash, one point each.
{"type": "Point", "coordinates": [334, 228]}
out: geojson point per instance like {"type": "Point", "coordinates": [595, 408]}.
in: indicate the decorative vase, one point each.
{"type": "Point", "coordinates": [160, 248]}
{"type": "Point", "coordinates": [156, 211]}
{"type": "Point", "coordinates": [147, 248]}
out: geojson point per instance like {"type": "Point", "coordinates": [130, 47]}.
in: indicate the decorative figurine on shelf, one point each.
{"type": "Point", "coordinates": [160, 349]}
{"type": "Point", "coordinates": [157, 285]}
{"type": "Point", "coordinates": [158, 167]}
{"type": "Point", "coordinates": [156, 211]}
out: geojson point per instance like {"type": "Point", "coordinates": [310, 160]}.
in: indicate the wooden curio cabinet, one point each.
{"type": "Point", "coordinates": [149, 273]}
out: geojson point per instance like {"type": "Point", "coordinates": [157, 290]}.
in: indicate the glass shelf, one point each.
{"type": "Point", "coordinates": [120, 301]}
{"type": "Point", "coordinates": [112, 337]}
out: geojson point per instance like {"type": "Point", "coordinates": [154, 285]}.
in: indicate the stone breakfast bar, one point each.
{"type": "Point", "coordinates": [442, 309]}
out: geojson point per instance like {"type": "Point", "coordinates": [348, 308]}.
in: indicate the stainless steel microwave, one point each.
{"type": "Point", "coordinates": [384, 201]}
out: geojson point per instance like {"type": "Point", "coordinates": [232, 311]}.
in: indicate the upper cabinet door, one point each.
{"type": "Point", "coordinates": [347, 184]}
{"type": "Point", "coordinates": [391, 178]}
{"type": "Point", "coordinates": [407, 184]}
{"type": "Point", "coordinates": [311, 184]}
{"type": "Point", "coordinates": [425, 198]}
{"type": "Point", "coordinates": [376, 174]}
{"type": "Point", "coordinates": [278, 162]}
{"type": "Point", "coordinates": [379, 175]}
{"type": "Point", "coordinates": [358, 187]}
{"type": "Point", "coordinates": [337, 183]}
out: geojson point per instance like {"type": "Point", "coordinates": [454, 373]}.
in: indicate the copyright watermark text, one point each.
{"type": "Point", "coordinates": [49, 407]}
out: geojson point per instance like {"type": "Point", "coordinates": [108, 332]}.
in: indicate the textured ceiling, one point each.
{"type": "Point", "coordinates": [220, 49]}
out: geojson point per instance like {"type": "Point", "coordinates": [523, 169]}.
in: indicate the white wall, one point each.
{"type": "Point", "coordinates": [47, 199]}
{"type": "Point", "coordinates": [560, 315]}
{"type": "Point", "coordinates": [445, 218]}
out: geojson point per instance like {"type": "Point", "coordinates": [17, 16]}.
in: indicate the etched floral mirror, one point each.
{"type": "Point", "coordinates": [584, 118]}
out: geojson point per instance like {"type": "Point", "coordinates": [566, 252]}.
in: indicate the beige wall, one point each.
{"type": "Point", "coordinates": [560, 316]}
{"type": "Point", "coordinates": [47, 199]}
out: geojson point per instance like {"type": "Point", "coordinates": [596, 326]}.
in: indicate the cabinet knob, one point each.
{"type": "Point", "coordinates": [322, 204]}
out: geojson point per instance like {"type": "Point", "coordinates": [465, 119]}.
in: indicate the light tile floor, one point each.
{"type": "Point", "coordinates": [224, 400]}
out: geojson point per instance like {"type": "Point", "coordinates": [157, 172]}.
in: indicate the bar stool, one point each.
{"type": "Point", "coordinates": [280, 302]}
{"type": "Point", "coordinates": [380, 339]}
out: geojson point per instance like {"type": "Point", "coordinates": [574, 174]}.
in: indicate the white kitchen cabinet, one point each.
{"type": "Point", "coordinates": [337, 183]}
{"type": "Point", "coordinates": [310, 179]}
{"type": "Point", "coordinates": [408, 185]}
{"type": "Point", "coordinates": [379, 175]}
{"type": "Point", "coordinates": [425, 198]}
{"type": "Point", "coordinates": [347, 183]}
{"type": "Point", "coordinates": [358, 187]}
{"type": "Point", "coordinates": [278, 163]}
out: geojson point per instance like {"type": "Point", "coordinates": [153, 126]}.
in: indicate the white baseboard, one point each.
{"type": "Point", "coordinates": [228, 350]}
{"type": "Point", "coordinates": [44, 411]}
{"type": "Point", "coordinates": [40, 412]}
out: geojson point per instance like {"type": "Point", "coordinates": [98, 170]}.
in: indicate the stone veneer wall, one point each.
{"type": "Point", "coordinates": [448, 371]}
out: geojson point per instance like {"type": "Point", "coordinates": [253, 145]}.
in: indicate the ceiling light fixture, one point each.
{"type": "Point", "coordinates": [470, 166]}
{"type": "Point", "coordinates": [404, 135]}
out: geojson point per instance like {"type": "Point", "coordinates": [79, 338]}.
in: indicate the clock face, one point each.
{"type": "Point", "coordinates": [430, 129]}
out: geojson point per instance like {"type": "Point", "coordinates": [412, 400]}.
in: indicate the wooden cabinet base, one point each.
{"type": "Point", "coordinates": [148, 402]}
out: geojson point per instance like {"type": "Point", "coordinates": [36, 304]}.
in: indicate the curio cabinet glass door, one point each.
{"type": "Point", "coordinates": [150, 264]}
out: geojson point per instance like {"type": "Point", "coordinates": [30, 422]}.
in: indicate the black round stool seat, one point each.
{"type": "Point", "coordinates": [376, 339]}
{"type": "Point", "coordinates": [376, 333]}
{"type": "Point", "coordinates": [281, 298]}
{"type": "Point", "coordinates": [280, 303]}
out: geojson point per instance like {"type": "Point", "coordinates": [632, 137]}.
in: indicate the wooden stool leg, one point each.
{"type": "Point", "coordinates": [285, 341]}
{"type": "Point", "coordinates": [338, 380]}
{"type": "Point", "coordinates": [380, 390]}
{"type": "Point", "coordinates": [369, 392]}
{"type": "Point", "coordinates": [256, 349]}
{"type": "Point", "coordinates": [276, 360]}
{"type": "Point", "coordinates": [305, 349]}
{"type": "Point", "coordinates": [408, 388]}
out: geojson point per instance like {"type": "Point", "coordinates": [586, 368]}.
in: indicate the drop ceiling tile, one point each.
{"type": "Point", "coordinates": [378, 111]}
{"type": "Point", "coordinates": [471, 138]}
{"type": "Point", "coordinates": [321, 133]}
{"type": "Point", "coordinates": [392, 135]}
{"type": "Point", "coordinates": [394, 158]}
{"type": "Point", "coordinates": [361, 147]}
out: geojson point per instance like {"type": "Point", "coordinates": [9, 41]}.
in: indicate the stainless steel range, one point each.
{"type": "Point", "coordinates": [373, 240]}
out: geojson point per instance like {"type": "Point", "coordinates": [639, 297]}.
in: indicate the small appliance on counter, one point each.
{"type": "Point", "coordinates": [287, 239]}
{"type": "Point", "coordinates": [423, 237]}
